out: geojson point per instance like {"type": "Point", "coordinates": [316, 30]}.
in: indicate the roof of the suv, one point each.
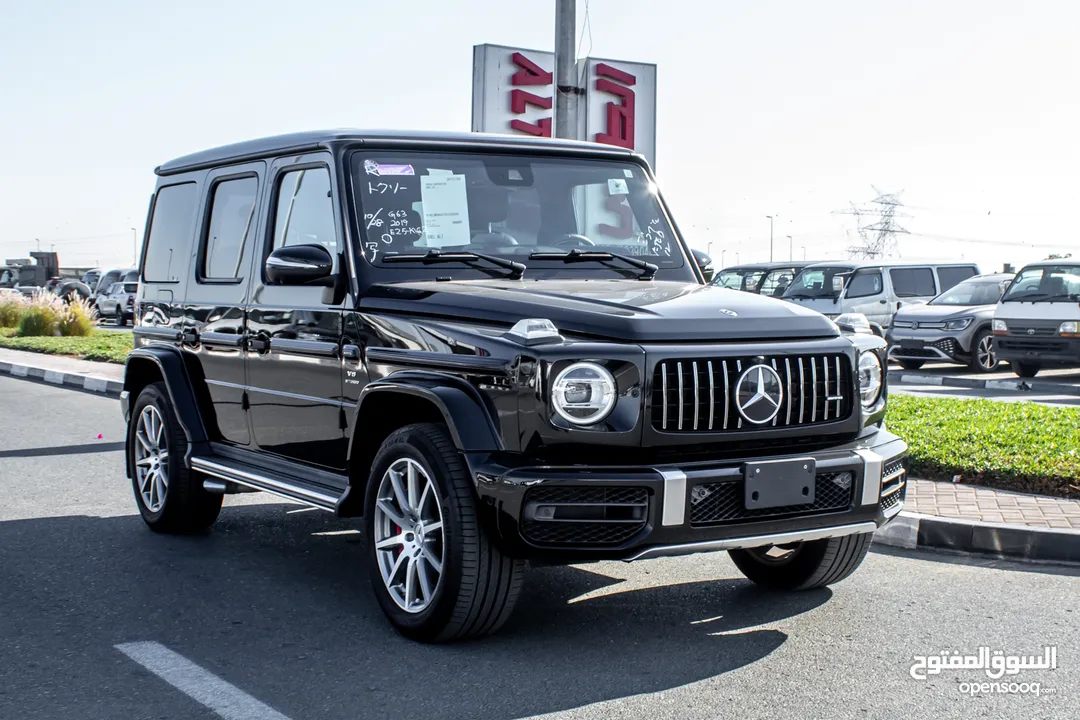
{"type": "Point", "coordinates": [766, 266]}
{"type": "Point", "coordinates": [318, 139]}
{"type": "Point", "coordinates": [856, 264]}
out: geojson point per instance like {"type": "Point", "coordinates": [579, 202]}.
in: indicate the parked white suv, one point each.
{"type": "Point", "coordinates": [874, 289]}
{"type": "Point", "coordinates": [118, 302]}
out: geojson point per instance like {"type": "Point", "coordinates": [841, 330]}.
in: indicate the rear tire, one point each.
{"type": "Point", "coordinates": [911, 364]}
{"type": "Point", "coordinates": [469, 587]}
{"type": "Point", "coordinates": [170, 497]}
{"type": "Point", "coordinates": [1025, 370]}
{"type": "Point", "coordinates": [120, 322]}
{"type": "Point", "coordinates": [807, 566]}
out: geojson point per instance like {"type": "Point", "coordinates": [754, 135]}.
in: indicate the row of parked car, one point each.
{"type": "Point", "coordinates": [114, 292]}
{"type": "Point", "coordinates": [945, 312]}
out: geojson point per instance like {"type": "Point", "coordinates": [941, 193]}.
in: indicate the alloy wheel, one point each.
{"type": "Point", "coordinates": [409, 539]}
{"type": "Point", "coordinates": [152, 458]}
{"type": "Point", "coordinates": [985, 353]}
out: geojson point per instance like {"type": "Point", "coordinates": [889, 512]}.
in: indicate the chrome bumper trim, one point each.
{"type": "Point", "coordinates": [893, 511]}
{"type": "Point", "coordinates": [755, 541]}
{"type": "Point", "coordinates": [125, 403]}
{"type": "Point", "coordinates": [674, 511]}
{"type": "Point", "coordinates": [897, 353]}
{"type": "Point", "coordinates": [872, 465]}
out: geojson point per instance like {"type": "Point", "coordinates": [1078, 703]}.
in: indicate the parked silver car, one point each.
{"type": "Point", "coordinates": [954, 327]}
{"type": "Point", "coordinates": [118, 302]}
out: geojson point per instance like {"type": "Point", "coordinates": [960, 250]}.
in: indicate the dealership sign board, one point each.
{"type": "Point", "coordinates": [514, 91]}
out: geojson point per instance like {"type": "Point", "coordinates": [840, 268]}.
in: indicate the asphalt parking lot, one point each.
{"type": "Point", "coordinates": [1059, 387]}
{"type": "Point", "coordinates": [271, 604]}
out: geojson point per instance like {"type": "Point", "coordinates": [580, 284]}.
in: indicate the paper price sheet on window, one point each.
{"type": "Point", "coordinates": [411, 210]}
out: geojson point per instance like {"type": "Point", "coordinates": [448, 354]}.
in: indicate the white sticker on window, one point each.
{"type": "Point", "coordinates": [446, 210]}
{"type": "Point", "coordinates": [436, 171]}
{"type": "Point", "coordinates": [628, 173]}
{"type": "Point", "coordinates": [616, 186]}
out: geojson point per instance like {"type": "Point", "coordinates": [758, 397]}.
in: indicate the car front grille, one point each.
{"type": "Point", "coordinates": [579, 515]}
{"type": "Point", "coordinates": [724, 502]}
{"type": "Point", "coordinates": [1011, 343]}
{"type": "Point", "coordinates": [699, 394]}
{"type": "Point", "coordinates": [1026, 330]}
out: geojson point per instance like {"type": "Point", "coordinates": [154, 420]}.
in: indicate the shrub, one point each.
{"type": "Point", "coordinates": [11, 310]}
{"type": "Point", "coordinates": [41, 316]}
{"type": "Point", "coordinates": [78, 318]}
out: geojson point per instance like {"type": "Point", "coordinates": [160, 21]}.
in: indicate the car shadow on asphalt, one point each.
{"type": "Point", "coordinates": [277, 603]}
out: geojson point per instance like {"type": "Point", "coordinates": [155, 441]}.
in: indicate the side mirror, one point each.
{"type": "Point", "coordinates": [299, 265]}
{"type": "Point", "coordinates": [838, 283]}
{"type": "Point", "coordinates": [704, 263]}
{"type": "Point", "coordinates": [854, 324]}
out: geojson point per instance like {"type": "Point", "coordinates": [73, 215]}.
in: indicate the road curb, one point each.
{"type": "Point", "coordinates": [76, 381]}
{"type": "Point", "coordinates": [1018, 384]}
{"type": "Point", "coordinates": [914, 531]}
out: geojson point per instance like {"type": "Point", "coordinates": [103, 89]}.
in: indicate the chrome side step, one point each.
{"type": "Point", "coordinates": [256, 481]}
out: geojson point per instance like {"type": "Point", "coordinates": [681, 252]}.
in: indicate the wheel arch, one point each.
{"type": "Point", "coordinates": [148, 365]}
{"type": "Point", "coordinates": [411, 397]}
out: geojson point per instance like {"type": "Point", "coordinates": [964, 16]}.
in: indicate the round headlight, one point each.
{"type": "Point", "coordinates": [583, 394]}
{"type": "Point", "coordinates": [869, 378]}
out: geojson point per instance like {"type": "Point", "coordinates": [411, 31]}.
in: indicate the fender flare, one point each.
{"type": "Point", "coordinates": [461, 405]}
{"type": "Point", "coordinates": [170, 365]}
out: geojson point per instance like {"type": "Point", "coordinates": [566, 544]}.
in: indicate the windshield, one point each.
{"type": "Point", "coordinates": [1048, 283]}
{"type": "Point", "coordinates": [7, 277]}
{"type": "Point", "coordinates": [512, 207]}
{"type": "Point", "coordinates": [972, 292]}
{"type": "Point", "coordinates": [776, 282]}
{"type": "Point", "coordinates": [816, 282]}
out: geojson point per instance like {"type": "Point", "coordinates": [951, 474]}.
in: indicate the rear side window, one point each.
{"type": "Point", "coordinates": [952, 276]}
{"type": "Point", "coordinates": [168, 246]}
{"type": "Point", "coordinates": [305, 210]}
{"type": "Point", "coordinates": [913, 282]}
{"type": "Point", "coordinates": [232, 216]}
{"type": "Point", "coordinates": [864, 284]}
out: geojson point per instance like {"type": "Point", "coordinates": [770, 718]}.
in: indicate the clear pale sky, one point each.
{"type": "Point", "coordinates": [971, 107]}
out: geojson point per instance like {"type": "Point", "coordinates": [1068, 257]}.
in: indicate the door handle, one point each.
{"type": "Point", "coordinates": [190, 337]}
{"type": "Point", "coordinates": [883, 301]}
{"type": "Point", "coordinates": [350, 352]}
{"type": "Point", "coordinates": [257, 344]}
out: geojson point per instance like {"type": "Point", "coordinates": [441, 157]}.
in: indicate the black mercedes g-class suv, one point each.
{"type": "Point", "coordinates": [495, 350]}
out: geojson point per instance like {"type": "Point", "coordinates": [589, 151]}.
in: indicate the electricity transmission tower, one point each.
{"type": "Point", "coordinates": [877, 225]}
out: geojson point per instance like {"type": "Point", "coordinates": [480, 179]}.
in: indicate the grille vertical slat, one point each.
{"type": "Point", "coordinates": [727, 395]}
{"type": "Point", "coordinates": [663, 402]}
{"type": "Point", "coordinates": [697, 401]}
{"type": "Point", "coordinates": [825, 366]}
{"type": "Point", "coordinates": [678, 372]}
{"type": "Point", "coordinates": [798, 384]}
{"type": "Point", "coordinates": [712, 399]}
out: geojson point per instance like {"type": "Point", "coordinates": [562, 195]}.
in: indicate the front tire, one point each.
{"type": "Point", "coordinates": [120, 322]}
{"type": "Point", "coordinates": [803, 566]}
{"type": "Point", "coordinates": [1025, 370]}
{"type": "Point", "coordinates": [170, 497]}
{"type": "Point", "coordinates": [434, 571]}
{"type": "Point", "coordinates": [983, 355]}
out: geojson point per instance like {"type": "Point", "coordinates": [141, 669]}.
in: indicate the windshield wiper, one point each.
{"type": "Point", "coordinates": [648, 270]}
{"type": "Point", "coordinates": [437, 256]}
{"type": "Point", "coordinates": [801, 296]}
{"type": "Point", "coordinates": [1061, 296]}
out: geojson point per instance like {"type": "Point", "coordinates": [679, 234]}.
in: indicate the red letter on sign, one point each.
{"type": "Point", "coordinates": [530, 73]}
{"type": "Point", "coordinates": [519, 99]}
{"type": "Point", "coordinates": [625, 229]}
{"type": "Point", "coordinates": [540, 129]}
{"type": "Point", "coordinates": [620, 117]}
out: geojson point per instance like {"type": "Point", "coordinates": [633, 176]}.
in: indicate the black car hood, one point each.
{"type": "Point", "coordinates": [618, 309]}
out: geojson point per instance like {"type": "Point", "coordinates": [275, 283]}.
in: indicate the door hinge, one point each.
{"type": "Point", "coordinates": [244, 401]}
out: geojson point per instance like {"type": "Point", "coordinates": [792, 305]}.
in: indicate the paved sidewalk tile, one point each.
{"type": "Point", "coordinates": [968, 502]}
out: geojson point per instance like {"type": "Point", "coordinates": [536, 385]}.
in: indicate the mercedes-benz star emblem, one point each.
{"type": "Point", "coordinates": [758, 394]}
{"type": "Point", "coordinates": [1031, 331]}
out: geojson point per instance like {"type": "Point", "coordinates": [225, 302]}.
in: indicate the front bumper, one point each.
{"type": "Point", "coordinates": [930, 345]}
{"type": "Point", "coordinates": [631, 513]}
{"type": "Point", "coordinates": [1041, 350]}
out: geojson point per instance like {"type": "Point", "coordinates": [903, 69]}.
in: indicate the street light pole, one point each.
{"type": "Point", "coordinates": [135, 245]}
{"type": "Point", "coordinates": [790, 248]}
{"type": "Point", "coordinates": [566, 86]}
{"type": "Point", "coordinates": [770, 237]}
{"type": "Point", "coordinates": [722, 254]}
{"type": "Point", "coordinates": [803, 252]}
